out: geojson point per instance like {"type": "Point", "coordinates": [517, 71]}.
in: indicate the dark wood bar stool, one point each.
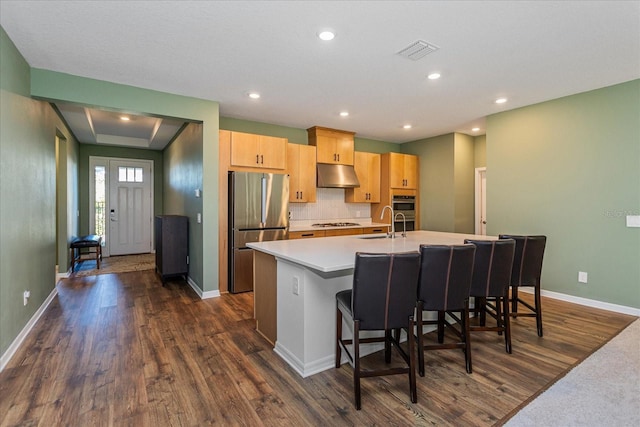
{"type": "Point", "coordinates": [527, 270]}
{"type": "Point", "coordinates": [383, 298]}
{"type": "Point", "coordinates": [85, 242]}
{"type": "Point", "coordinates": [490, 285]}
{"type": "Point", "coordinates": [443, 287]}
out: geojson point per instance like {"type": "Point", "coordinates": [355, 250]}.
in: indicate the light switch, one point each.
{"type": "Point", "coordinates": [199, 217]}
{"type": "Point", "coordinates": [197, 192]}
{"type": "Point", "coordinates": [633, 220]}
{"type": "Point", "coordinates": [582, 277]}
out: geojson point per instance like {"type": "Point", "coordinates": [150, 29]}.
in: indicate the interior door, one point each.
{"type": "Point", "coordinates": [481, 201]}
{"type": "Point", "coordinates": [129, 213]}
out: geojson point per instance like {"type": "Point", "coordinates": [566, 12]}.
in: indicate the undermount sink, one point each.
{"type": "Point", "coordinates": [383, 236]}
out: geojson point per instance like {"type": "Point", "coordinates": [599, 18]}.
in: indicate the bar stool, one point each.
{"type": "Point", "coordinates": [383, 298]}
{"type": "Point", "coordinates": [443, 287]}
{"type": "Point", "coordinates": [85, 242]}
{"type": "Point", "coordinates": [490, 284]}
{"type": "Point", "coordinates": [527, 270]}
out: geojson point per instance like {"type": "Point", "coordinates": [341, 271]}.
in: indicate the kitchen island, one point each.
{"type": "Point", "coordinates": [297, 280]}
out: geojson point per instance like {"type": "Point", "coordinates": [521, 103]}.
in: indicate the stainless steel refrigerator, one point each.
{"type": "Point", "coordinates": [258, 212]}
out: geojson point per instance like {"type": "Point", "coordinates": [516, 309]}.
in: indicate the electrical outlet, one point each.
{"type": "Point", "coordinates": [582, 277]}
{"type": "Point", "coordinates": [296, 286]}
{"type": "Point", "coordinates": [25, 297]}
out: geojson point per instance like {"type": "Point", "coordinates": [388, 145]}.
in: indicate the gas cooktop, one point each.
{"type": "Point", "coordinates": [335, 224]}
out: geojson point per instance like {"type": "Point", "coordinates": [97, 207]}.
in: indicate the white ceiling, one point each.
{"type": "Point", "coordinates": [526, 51]}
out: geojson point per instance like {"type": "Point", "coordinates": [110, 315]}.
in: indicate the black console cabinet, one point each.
{"type": "Point", "coordinates": [172, 246]}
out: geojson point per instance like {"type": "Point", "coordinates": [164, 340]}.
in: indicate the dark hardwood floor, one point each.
{"type": "Point", "coordinates": [120, 349]}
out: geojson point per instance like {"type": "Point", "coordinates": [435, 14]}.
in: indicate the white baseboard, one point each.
{"type": "Point", "coordinates": [587, 302]}
{"type": "Point", "coordinates": [202, 295]}
{"type": "Point", "coordinates": [25, 331]}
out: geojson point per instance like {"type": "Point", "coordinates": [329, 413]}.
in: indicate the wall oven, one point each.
{"type": "Point", "coordinates": [407, 206]}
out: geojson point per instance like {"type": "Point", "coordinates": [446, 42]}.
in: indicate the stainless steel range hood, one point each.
{"type": "Point", "coordinates": [337, 176]}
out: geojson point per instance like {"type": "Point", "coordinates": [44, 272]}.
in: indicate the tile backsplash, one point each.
{"type": "Point", "coordinates": [330, 204]}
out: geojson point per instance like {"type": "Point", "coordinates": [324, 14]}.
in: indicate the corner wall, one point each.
{"type": "Point", "coordinates": [570, 169]}
{"type": "Point", "coordinates": [28, 131]}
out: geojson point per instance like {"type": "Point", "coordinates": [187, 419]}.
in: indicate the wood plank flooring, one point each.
{"type": "Point", "coordinates": [120, 349]}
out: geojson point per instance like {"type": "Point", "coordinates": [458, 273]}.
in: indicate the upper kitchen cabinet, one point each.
{"type": "Point", "coordinates": [402, 170]}
{"type": "Point", "coordinates": [301, 166]}
{"type": "Point", "coordinates": [333, 146]}
{"type": "Point", "coordinates": [258, 151]}
{"type": "Point", "coordinates": [367, 167]}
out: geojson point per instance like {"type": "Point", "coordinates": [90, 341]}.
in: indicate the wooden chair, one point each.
{"type": "Point", "coordinates": [383, 298]}
{"type": "Point", "coordinates": [527, 269]}
{"type": "Point", "coordinates": [490, 285]}
{"type": "Point", "coordinates": [443, 287]}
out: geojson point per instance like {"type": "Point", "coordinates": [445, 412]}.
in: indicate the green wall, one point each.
{"type": "Point", "coordinates": [28, 202]}
{"type": "Point", "coordinates": [56, 86]}
{"type": "Point", "coordinates": [480, 151]}
{"type": "Point", "coordinates": [299, 136]}
{"type": "Point", "coordinates": [570, 169]}
{"type": "Point", "coordinates": [87, 150]}
{"type": "Point", "coordinates": [182, 176]}
{"type": "Point", "coordinates": [447, 180]}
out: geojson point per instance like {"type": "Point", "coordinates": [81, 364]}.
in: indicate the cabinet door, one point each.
{"type": "Point", "coordinates": [326, 149]}
{"type": "Point", "coordinates": [374, 178]}
{"type": "Point", "coordinates": [410, 171]}
{"type": "Point", "coordinates": [367, 167]}
{"type": "Point", "coordinates": [272, 152]}
{"type": "Point", "coordinates": [344, 149]}
{"type": "Point", "coordinates": [301, 166]}
{"type": "Point", "coordinates": [307, 173]}
{"type": "Point", "coordinates": [245, 149]}
{"type": "Point", "coordinates": [396, 170]}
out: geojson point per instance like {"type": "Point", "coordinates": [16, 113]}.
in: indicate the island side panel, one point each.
{"type": "Point", "coordinates": [265, 295]}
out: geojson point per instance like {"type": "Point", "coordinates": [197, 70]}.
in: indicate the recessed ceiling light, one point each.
{"type": "Point", "coordinates": [326, 35]}
{"type": "Point", "coordinates": [475, 129]}
{"type": "Point", "coordinates": [344, 113]}
{"type": "Point", "coordinates": [406, 127]}
{"type": "Point", "coordinates": [125, 118]}
{"type": "Point", "coordinates": [254, 95]}
{"type": "Point", "coordinates": [501, 100]}
{"type": "Point", "coordinates": [433, 76]}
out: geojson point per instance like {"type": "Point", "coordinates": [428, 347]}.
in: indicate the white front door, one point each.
{"type": "Point", "coordinates": [129, 211]}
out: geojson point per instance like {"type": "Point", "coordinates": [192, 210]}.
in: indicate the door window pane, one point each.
{"type": "Point", "coordinates": [127, 174]}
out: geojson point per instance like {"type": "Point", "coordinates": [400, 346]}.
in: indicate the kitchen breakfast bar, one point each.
{"type": "Point", "coordinates": [296, 282]}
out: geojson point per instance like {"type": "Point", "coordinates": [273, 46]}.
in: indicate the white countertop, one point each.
{"type": "Point", "coordinates": [331, 254]}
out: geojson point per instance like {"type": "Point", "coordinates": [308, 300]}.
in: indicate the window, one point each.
{"type": "Point", "coordinates": [100, 173]}
{"type": "Point", "coordinates": [127, 174]}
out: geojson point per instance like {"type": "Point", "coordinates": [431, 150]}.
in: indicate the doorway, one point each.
{"type": "Point", "coordinates": [481, 201]}
{"type": "Point", "coordinates": [120, 204]}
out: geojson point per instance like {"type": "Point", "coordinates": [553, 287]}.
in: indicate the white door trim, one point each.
{"type": "Point", "coordinates": [479, 198]}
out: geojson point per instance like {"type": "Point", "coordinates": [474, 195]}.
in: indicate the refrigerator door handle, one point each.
{"type": "Point", "coordinates": [263, 201]}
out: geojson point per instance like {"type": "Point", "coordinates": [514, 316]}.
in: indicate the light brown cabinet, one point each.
{"type": "Point", "coordinates": [403, 170]}
{"type": "Point", "coordinates": [367, 167]}
{"type": "Point", "coordinates": [333, 146]}
{"type": "Point", "coordinates": [258, 151]}
{"type": "Point", "coordinates": [301, 165]}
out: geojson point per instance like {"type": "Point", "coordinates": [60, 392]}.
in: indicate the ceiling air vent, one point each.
{"type": "Point", "coordinates": [417, 50]}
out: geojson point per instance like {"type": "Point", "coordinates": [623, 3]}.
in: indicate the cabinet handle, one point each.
{"type": "Point", "coordinates": [307, 235]}
{"type": "Point", "coordinates": [335, 157]}
{"type": "Point", "coordinates": [257, 159]}
{"type": "Point", "coordinates": [301, 195]}
{"type": "Point", "coordinates": [338, 156]}
{"type": "Point", "coordinates": [261, 159]}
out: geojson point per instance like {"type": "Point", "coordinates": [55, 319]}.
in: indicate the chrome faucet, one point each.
{"type": "Point", "coordinates": [391, 229]}
{"type": "Point", "coordinates": [404, 223]}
